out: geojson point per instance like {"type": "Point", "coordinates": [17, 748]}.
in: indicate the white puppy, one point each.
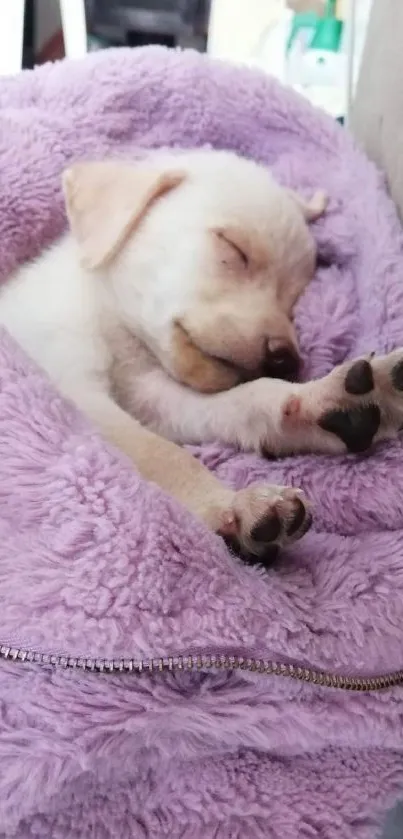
{"type": "Point", "coordinates": [165, 309]}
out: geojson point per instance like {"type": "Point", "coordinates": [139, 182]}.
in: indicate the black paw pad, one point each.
{"type": "Point", "coordinates": [356, 428]}
{"type": "Point", "coordinates": [397, 375]}
{"type": "Point", "coordinates": [267, 529]}
{"type": "Point", "coordinates": [294, 524]}
{"type": "Point", "coordinates": [359, 379]}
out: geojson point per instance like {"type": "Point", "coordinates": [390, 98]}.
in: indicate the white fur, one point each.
{"type": "Point", "coordinates": [178, 278]}
{"type": "Point", "coordinates": [154, 279]}
{"type": "Point", "coordinates": [78, 324]}
{"type": "Point", "coordinates": [58, 313]}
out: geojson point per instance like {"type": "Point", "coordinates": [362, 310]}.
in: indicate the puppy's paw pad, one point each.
{"type": "Point", "coordinates": [267, 529]}
{"type": "Point", "coordinates": [359, 379]}
{"type": "Point", "coordinates": [356, 427]}
{"type": "Point", "coordinates": [268, 517]}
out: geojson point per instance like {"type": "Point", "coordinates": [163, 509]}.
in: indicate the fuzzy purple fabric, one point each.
{"type": "Point", "coordinates": [96, 563]}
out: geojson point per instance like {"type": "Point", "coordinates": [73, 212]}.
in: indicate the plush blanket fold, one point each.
{"type": "Point", "coordinates": [97, 566]}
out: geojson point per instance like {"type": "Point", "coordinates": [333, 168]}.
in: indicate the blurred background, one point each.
{"type": "Point", "coordinates": [313, 45]}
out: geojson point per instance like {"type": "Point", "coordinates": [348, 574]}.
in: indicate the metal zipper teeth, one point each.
{"type": "Point", "coordinates": [207, 662]}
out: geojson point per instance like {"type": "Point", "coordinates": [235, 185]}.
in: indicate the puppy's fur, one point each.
{"type": "Point", "coordinates": [161, 310]}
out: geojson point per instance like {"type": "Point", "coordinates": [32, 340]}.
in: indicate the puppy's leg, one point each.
{"type": "Point", "coordinates": [255, 518]}
{"type": "Point", "coordinates": [358, 403]}
{"type": "Point", "coordinates": [256, 416]}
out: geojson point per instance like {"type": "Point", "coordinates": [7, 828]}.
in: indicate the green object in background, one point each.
{"type": "Point", "coordinates": [315, 32]}
{"type": "Point", "coordinates": [303, 27]}
{"type": "Point", "coordinates": [328, 31]}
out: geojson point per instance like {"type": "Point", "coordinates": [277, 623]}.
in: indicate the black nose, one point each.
{"type": "Point", "coordinates": [282, 363]}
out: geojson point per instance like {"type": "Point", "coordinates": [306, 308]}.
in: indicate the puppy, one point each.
{"type": "Point", "coordinates": [165, 314]}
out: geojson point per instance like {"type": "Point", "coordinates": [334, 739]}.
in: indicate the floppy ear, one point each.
{"type": "Point", "coordinates": [315, 207]}
{"type": "Point", "coordinates": [106, 201]}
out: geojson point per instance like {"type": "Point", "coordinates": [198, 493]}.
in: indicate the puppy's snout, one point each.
{"type": "Point", "coordinates": [282, 361]}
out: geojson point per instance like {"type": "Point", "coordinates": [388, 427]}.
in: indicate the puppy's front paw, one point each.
{"type": "Point", "coordinates": [357, 404]}
{"type": "Point", "coordinates": [262, 519]}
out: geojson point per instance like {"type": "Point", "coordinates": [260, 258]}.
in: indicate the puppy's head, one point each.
{"type": "Point", "coordinates": [205, 255]}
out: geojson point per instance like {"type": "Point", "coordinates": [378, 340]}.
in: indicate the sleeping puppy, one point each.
{"type": "Point", "coordinates": [165, 314]}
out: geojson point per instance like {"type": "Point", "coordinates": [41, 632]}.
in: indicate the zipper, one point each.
{"type": "Point", "coordinates": [198, 662]}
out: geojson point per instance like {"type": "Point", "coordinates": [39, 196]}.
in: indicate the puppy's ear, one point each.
{"type": "Point", "coordinates": [315, 207]}
{"type": "Point", "coordinates": [106, 201]}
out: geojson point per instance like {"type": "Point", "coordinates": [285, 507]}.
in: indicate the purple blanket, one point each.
{"type": "Point", "coordinates": [102, 572]}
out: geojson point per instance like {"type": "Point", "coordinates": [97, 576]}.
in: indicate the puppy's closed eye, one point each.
{"type": "Point", "coordinates": [230, 252]}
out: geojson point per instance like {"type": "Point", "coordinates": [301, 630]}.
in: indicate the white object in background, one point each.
{"type": "Point", "coordinates": [236, 27]}
{"type": "Point", "coordinates": [344, 66]}
{"type": "Point", "coordinates": [320, 76]}
{"type": "Point", "coordinates": [255, 32]}
{"type": "Point", "coordinates": [269, 53]}
{"type": "Point", "coordinates": [12, 32]}
{"type": "Point", "coordinates": [356, 23]}
{"type": "Point", "coordinates": [322, 68]}
{"type": "Point", "coordinates": [11, 35]}
{"type": "Point", "coordinates": [74, 28]}
{"type": "Point", "coordinates": [352, 70]}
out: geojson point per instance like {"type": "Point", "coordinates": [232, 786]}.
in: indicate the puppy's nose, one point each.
{"type": "Point", "coordinates": [281, 362]}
